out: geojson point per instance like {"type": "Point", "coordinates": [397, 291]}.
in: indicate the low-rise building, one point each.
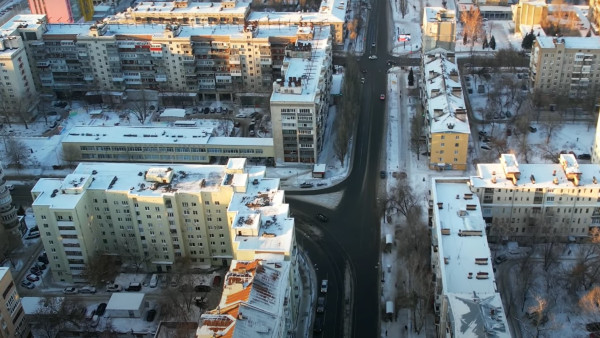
{"type": "Point", "coordinates": [150, 215]}
{"type": "Point", "coordinates": [467, 303]}
{"type": "Point", "coordinates": [126, 305]}
{"type": "Point", "coordinates": [446, 122]}
{"type": "Point", "coordinates": [439, 29]}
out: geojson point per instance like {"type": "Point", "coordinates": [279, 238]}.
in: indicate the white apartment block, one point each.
{"type": "Point", "coordinates": [520, 200]}
{"type": "Point", "coordinates": [300, 99]}
{"type": "Point", "coordinates": [467, 303]}
{"type": "Point", "coordinates": [160, 144]}
{"type": "Point", "coordinates": [12, 316]}
{"type": "Point", "coordinates": [149, 215]}
{"type": "Point", "coordinates": [18, 95]}
{"type": "Point", "coordinates": [565, 65]}
{"type": "Point", "coordinates": [258, 300]}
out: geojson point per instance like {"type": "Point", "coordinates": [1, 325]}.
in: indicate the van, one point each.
{"type": "Point", "coordinates": [134, 287]}
{"type": "Point", "coordinates": [153, 281]}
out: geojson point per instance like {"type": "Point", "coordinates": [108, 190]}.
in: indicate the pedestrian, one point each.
{"type": "Point", "coordinates": [406, 327]}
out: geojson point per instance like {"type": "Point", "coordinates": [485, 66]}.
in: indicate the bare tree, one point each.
{"type": "Point", "coordinates": [102, 268]}
{"type": "Point", "coordinates": [403, 4]}
{"type": "Point", "coordinates": [140, 108]}
{"type": "Point", "coordinates": [525, 280]}
{"type": "Point", "coordinates": [55, 313]}
{"type": "Point", "coordinates": [416, 132]}
{"type": "Point", "coordinates": [17, 153]}
{"type": "Point", "coordinates": [472, 23]}
{"type": "Point", "coordinates": [340, 143]}
{"type": "Point", "coordinates": [404, 198]}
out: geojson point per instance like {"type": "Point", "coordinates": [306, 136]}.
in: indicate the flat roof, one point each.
{"type": "Point", "coordinates": [125, 301]}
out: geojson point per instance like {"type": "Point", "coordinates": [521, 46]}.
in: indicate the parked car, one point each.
{"type": "Point", "coordinates": [43, 258]}
{"type": "Point", "coordinates": [500, 259]}
{"type": "Point", "coordinates": [95, 320]}
{"type": "Point", "coordinates": [27, 284]}
{"type": "Point", "coordinates": [199, 301]}
{"type": "Point", "coordinates": [150, 315]}
{"type": "Point", "coordinates": [114, 288]}
{"type": "Point", "coordinates": [70, 290]}
{"type": "Point", "coordinates": [485, 147]}
{"type": "Point", "coordinates": [36, 271]}
{"type": "Point", "coordinates": [153, 281]}
{"type": "Point", "coordinates": [482, 133]}
{"type": "Point", "coordinates": [87, 289]}
{"type": "Point", "coordinates": [33, 234]}
{"type": "Point", "coordinates": [101, 309]}
{"type": "Point", "coordinates": [306, 185]}
{"type": "Point", "coordinates": [10, 187]}
{"type": "Point", "coordinates": [320, 304]}
{"type": "Point", "coordinates": [383, 174]}
{"type": "Point", "coordinates": [322, 218]}
{"type": "Point", "coordinates": [134, 286]}
{"type": "Point", "coordinates": [532, 129]}
{"type": "Point", "coordinates": [241, 115]}
{"type": "Point", "coordinates": [40, 265]}
{"type": "Point", "coordinates": [33, 278]}
{"type": "Point", "coordinates": [202, 288]}
{"type": "Point", "coordinates": [372, 57]}
{"type": "Point", "coordinates": [584, 156]}
{"type": "Point", "coordinates": [318, 327]}
{"type": "Point", "coordinates": [324, 285]}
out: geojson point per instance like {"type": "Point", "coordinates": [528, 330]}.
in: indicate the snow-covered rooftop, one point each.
{"type": "Point", "coordinates": [464, 260]}
{"type": "Point", "coordinates": [568, 173]}
{"type": "Point", "coordinates": [173, 112]}
{"type": "Point", "coordinates": [570, 42]}
{"type": "Point", "coordinates": [19, 21]}
{"type": "Point", "coordinates": [202, 134]}
{"type": "Point", "coordinates": [435, 14]}
{"type": "Point", "coordinates": [446, 105]}
{"type": "Point", "coordinates": [301, 74]}
{"type": "Point", "coordinates": [125, 301]}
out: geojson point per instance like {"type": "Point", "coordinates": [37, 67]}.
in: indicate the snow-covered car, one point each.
{"type": "Point", "coordinates": [33, 278]}
{"type": "Point", "coordinates": [87, 289]}
{"type": "Point", "coordinates": [70, 290]}
{"type": "Point", "coordinates": [27, 284]}
{"type": "Point", "coordinates": [372, 57]}
{"type": "Point", "coordinates": [114, 288]}
{"type": "Point", "coordinates": [241, 115]}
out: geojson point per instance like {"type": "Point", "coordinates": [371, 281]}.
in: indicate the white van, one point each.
{"type": "Point", "coordinates": [153, 281]}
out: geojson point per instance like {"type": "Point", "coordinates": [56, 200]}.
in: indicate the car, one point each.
{"type": "Point", "coordinates": [485, 147]}
{"type": "Point", "coordinates": [584, 156]}
{"type": "Point", "coordinates": [202, 288]}
{"type": "Point", "coordinates": [36, 271]}
{"type": "Point", "coordinates": [241, 115]}
{"type": "Point", "coordinates": [321, 304]}
{"type": "Point", "coordinates": [532, 129]}
{"type": "Point", "coordinates": [486, 140]}
{"type": "Point", "coordinates": [382, 97]}
{"type": "Point", "coordinates": [150, 315]}
{"type": "Point", "coordinates": [134, 286]}
{"type": "Point", "coordinates": [322, 218]}
{"type": "Point", "coordinates": [34, 228]}
{"type": "Point", "coordinates": [362, 80]}
{"type": "Point", "coordinates": [373, 44]}
{"type": "Point", "coordinates": [500, 259]}
{"type": "Point", "coordinates": [199, 300]}
{"type": "Point", "coordinates": [306, 185]}
{"type": "Point", "coordinates": [251, 133]}
{"type": "Point", "coordinates": [318, 327]}
{"type": "Point", "coordinates": [27, 284]}
{"type": "Point", "coordinates": [482, 133]}
{"type": "Point", "coordinates": [101, 309]}
{"type": "Point", "coordinates": [43, 259]}
{"type": "Point", "coordinates": [10, 187]}
{"type": "Point", "coordinates": [254, 114]}
{"type": "Point", "coordinates": [364, 71]}
{"type": "Point", "coordinates": [324, 285]}
{"type": "Point", "coordinates": [114, 288]}
{"type": "Point", "coordinates": [87, 289]}
{"type": "Point", "coordinates": [70, 290]}
{"type": "Point", "coordinates": [33, 234]}
{"type": "Point", "coordinates": [213, 110]}
{"type": "Point", "coordinates": [383, 174]}
{"type": "Point", "coordinates": [372, 57]}
{"type": "Point", "coordinates": [153, 281]}
{"type": "Point", "coordinates": [40, 265]}
{"type": "Point", "coordinates": [33, 278]}
{"type": "Point", "coordinates": [95, 320]}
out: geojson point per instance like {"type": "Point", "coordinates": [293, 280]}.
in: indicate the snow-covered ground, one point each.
{"type": "Point", "coordinates": [408, 27]}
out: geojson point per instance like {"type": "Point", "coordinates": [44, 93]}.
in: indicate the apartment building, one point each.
{"type": "Point", "coordinates": [258, 300]}
{"type": "Point", "coordinates": [160, 144]}
{"type": "Point", "coordinates": [12, 226]}
{"type": "Point", "coordinates": [439, 29]}
{"type": "Point", "coordinates": [466, 303]}
{"type": "Point", "coordinates": [523, 200]}
{"type": "Point", "coordinates": [18, 95]}
{"type": "Point", "coordinates": [63, 11]}
{"type": "Point", "coordinates": [300, 99]}
{"type": "Point", "coordinates": [12, 317]}
{"type": "Point", "coordinates": [446, 122]}
{"type": "Point", "coordinates": [150, 215]}
{"type": "Point", "coordinates": [567, 65]}
{"type": "Point", "coordinates": [528, 13]}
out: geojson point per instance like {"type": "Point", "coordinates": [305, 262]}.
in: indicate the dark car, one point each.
{"type": "Point", "coordinates": [318, 327]}
{"type": "Point", "coordinates": [500, 259]}
{"type": "Point", "coordinates": [202, 288]}
{"type": "Point", "coordinates": [584, 156]}
{"type": "Point", "coordinates": [485, 147]}
{"type": "Point", "coordinates": [101, 309]}
{"type": "Point", "coordinates": [532, 129]}
{"type": "Point", "coordinates": [322, 218]}
{"type": "Point", "coordinates": [150, 315]}
{"type": "Point", "coordinates": [306, 185]}
{"type": "Point", "coordinates": [382, 174]}
{"type": "Point", "coordinates": [320, 304]}
{"type": "Point", "coordinates": [43, 258]}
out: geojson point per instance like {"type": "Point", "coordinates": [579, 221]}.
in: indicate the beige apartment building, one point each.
{"type": "Point", "coordinates": [300, 99]}
{"type": "Point", "coordinates": [529, 13]}
{"type": "Point", "coordinates": [18, 94]}
{"type": "Point", "coordinates": [151, 215]}
{"type": "Point", "coordinates": [446, 122]}
{"type": "Point", "coordinates": [12, 317]}
{"type": "Point", "coordinates": [439, 29]}
{"type": "Point", "coordinates": [565, 65]}
{"type": "Point", "coordinates": [520, 200]}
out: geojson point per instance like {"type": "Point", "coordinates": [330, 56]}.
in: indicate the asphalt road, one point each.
{"type": "Point", "coordinates": [351, 238]}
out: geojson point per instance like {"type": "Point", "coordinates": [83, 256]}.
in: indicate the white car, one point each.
{"type": "Point", "coordinates": [87, 289]}
{"type": "Point", "coordinates": [10, 187]}
{"type": "Point", "coordinates": [372, 57]}
{"type": "Point", "coordinates": [324, 284]}
{"type": "Point", "coordinates": [114, 288]}
{"type": "Point", "coordinates": [70, 290]}
{"type": "Point", "coordinates": [241, 115]}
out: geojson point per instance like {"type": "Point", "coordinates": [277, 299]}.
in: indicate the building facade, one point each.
{"type": "Point", "coordinates": [446, 123]}
{"type": "Point", "coordinates": [439, 29]}
{"type": "Point", "coordinates": [565, 65]}
{"type": "Point", "coordinates": [11, 228]}
{"type": "Point", "coordinates": [466, 302]}
{"type": "Point", "coordinates": [549, 200]}
{"type": "Point", "coordinates": [151, 215]}
{"type": "Point", "coordinates": [300, 99]}
{"type": "Point", "coordinates": [12, 317]}
{"type": "Point", "coordinates": [18, 94]}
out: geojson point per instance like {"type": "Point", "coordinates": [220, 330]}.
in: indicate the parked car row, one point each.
{"type": "Point", "coordinates": [211, 110]}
